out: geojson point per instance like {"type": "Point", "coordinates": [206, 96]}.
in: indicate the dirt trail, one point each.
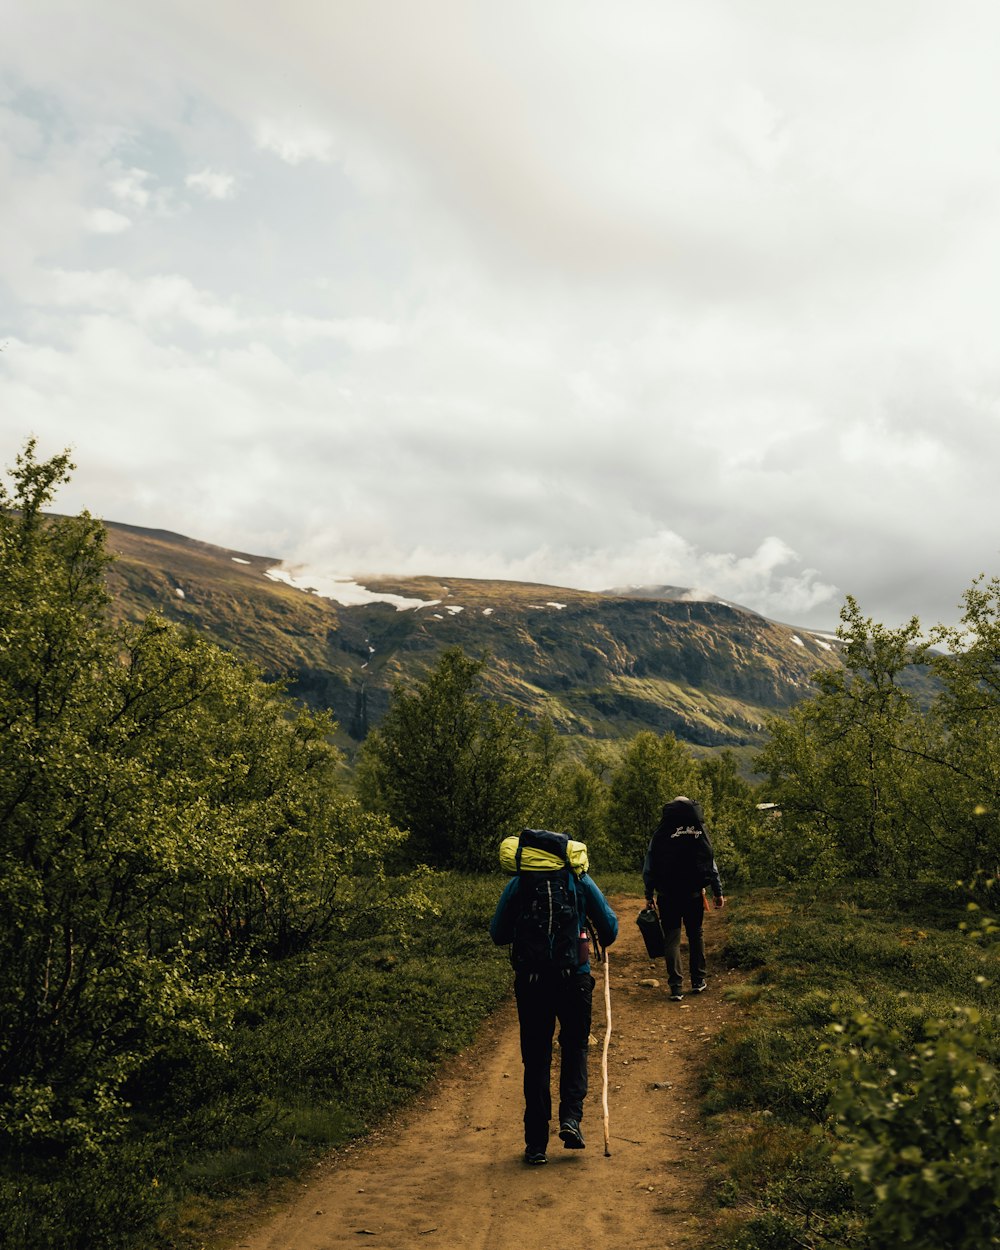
{"type": "Point", "coordinates": [449, 1171]}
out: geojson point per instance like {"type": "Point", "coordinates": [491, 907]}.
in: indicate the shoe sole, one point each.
{"type": "Point", "coordinates": [698, 989]}
{"type": "Point", "coordinates": [535, 1163]}
{"type": "Point", "coordinates": [571, 1140]}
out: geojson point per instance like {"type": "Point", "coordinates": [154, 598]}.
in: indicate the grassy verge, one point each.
{"type": "Point", "coordinates": [340, 1038]}
{"type": "Point", "coordinates": [816, 961]}
{"type": "Point", "coordinates": [327, 1045]}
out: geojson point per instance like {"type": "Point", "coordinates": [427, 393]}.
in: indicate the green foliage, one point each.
{"type": "Point", "coordinates": [811, 1131]}
{"type": "Point", "coordinates": [458, 771]}
{"type": "Point", "coordinates": [800, 1198]}
{"type": "Point", "coordinates": [578, 804]}
{"type": "Point", "coordinates": [335, 1037]}
{"type": "Point", "coordinates": [653, 770]}
{"type": "Point", "coordinates": [966, 774]}
{"type": "Point", "coordinates": [919, 1133]}
{"type": "Point", "coordinates": [362, 1023]}
{"type": "Point", "coordinates": [841, 766]}
{"type": "Point", "coordinates": [170, 830]}
{"type": "Point", "coordinates": [886, 781]}
{"type": "Point", "coordinates": [730, 806]}
{"type": "Point", "coordinates": [614, 800]}
{"type": "Point", "coordinates": [885, 773]}
{"type": "Point", "coordinates": [113, 1201]}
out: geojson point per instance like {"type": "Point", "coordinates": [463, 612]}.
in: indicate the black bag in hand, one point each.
{"type": "Point", "coordinates": [649, 926]}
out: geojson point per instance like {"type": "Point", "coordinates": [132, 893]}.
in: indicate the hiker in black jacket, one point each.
{"type": "Point", "coordinates": [679, 864]}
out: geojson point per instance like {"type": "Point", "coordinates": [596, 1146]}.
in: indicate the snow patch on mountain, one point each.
{"type": "Point", "coordinates": [343, 590]}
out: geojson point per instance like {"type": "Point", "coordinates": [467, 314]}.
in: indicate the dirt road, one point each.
{"type": "Point", "coordinates": [449, 1172]}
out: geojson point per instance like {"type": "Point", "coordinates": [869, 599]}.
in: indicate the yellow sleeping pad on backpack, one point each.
{"type": "Point", "coordinates": [542, 851]}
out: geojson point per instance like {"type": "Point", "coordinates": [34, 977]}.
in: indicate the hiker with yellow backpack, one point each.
{"type": "Point", "coordinates": [546, 914]}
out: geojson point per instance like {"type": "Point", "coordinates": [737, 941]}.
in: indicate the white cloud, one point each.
{"type": "Point", "coordinates": [212, 184]}
{"type": "Point", "coordinates": [363, 334]}
{"type": "Point", "coordinates": [296, 142]}
{"type": "Point", "coordinates": [163, 301]}
{"type": "Point", "coordinates": [587, 295]}
{"type": "Point", "coordinates": [130, 187]}
{"type": "Point", "coordinates": [107, 221]}
{"type": "Point", "coordinates": [19, 135]}
{"type": "Point", "coordinates": [769, 579]}
{"type": "Point", "coordinates": [163, 298]}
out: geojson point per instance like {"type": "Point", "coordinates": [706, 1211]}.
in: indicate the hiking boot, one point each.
{"type": "Point", "coordinates": [675, 994]}
{"type": "Point", "coordinates": [700, 988]}
{"type": "Point", "coordinates": [572, 1138]}
{"type": "Point", "coordinates": [534, 1156]}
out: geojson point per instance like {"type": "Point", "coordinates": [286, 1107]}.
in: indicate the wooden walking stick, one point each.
{"type": "Point", "coordinates": [604, 1057]}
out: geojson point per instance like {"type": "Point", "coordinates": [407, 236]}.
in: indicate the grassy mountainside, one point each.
{"type": "Point", "coordinates": [603, 666]}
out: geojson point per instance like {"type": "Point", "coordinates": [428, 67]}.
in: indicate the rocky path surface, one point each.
{"type": "Point", "coordinates": [449, 1171]}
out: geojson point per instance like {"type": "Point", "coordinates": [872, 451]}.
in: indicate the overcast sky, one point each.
{"type": "Point", "coordinates": [595, 294]}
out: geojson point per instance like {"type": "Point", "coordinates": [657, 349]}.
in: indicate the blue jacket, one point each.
{"type": "Point", "coordinates": [595, 906]}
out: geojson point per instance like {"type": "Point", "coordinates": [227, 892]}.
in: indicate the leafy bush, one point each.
{"type": "Point", "coordinates": [919, 1133]}
{"type": "Point", "coordinates": [171, 831]}
{"type": "Point", "coordinates": [114, 1201]}
{"type": "Point", "coordinates": [810, 1132]}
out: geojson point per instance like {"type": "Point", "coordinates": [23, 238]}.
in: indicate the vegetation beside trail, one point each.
{"type": "Point", "coordinates": [336, 1040]}
{"type": "Point", "coordinates": [325, 1045]}
{"type": "Point", "coordinates": [860, 1095]}
{"type": "Point", "coordinates": [855, 1104]}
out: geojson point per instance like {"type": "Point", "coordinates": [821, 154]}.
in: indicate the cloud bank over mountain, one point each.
{"type": "Point", "coordinates": [591, 295]}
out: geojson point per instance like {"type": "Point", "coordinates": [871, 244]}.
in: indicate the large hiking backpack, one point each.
{"type": "Point", "coordinates": [539, 850]}
{"type": "Point", "coordinates": [676, 864]}
{"type": "Point", "coordinates": [548, 923]}
{"type": "Point", "coordinates": [680, 854]}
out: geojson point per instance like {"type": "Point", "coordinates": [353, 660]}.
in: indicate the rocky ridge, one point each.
{"type": "Point", "coordinates": [601, 665]}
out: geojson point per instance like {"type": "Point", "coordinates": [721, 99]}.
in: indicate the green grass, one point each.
{"type": "Point", "coordinates": [812, 959]}
{"type": "Point", "coordinates": [329, 1043]}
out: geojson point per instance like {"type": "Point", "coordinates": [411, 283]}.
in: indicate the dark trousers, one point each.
{"type": "Point", "coordinates": [688, 910]}
{"type": "Point", "coordinates": [542, 1000]}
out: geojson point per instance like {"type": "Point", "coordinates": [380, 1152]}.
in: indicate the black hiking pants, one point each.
{"type": "Point", "coordinates": [687, 910]}
{"type": "Point", "coordinates": [542, 1000]}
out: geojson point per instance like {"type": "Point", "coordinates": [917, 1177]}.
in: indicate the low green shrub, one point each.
{"type": "Point", "coordinates": [326, 1043]}
{"type": "Point", "coordinates": [838, 1126]}
{"type": "Point", "coordinates": [918, 1132]}
{"type": "Point", "coordinates": [115, 1200]}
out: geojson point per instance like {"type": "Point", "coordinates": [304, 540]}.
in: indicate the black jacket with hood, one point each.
{"type": "Point", "coordinates": [680, 861]}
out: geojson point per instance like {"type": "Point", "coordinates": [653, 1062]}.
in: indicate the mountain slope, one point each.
{"type": "Point", "coordinates": [603, 666]}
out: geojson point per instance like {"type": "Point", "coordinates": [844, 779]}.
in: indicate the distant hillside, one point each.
{"type": "Point", "coordinates": [602, 666]}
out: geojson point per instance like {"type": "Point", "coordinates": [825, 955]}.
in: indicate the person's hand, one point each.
{"type": "Point", "coordinates": [720, 900]}
{"type": "Point", "coordinates": [649, 902]}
